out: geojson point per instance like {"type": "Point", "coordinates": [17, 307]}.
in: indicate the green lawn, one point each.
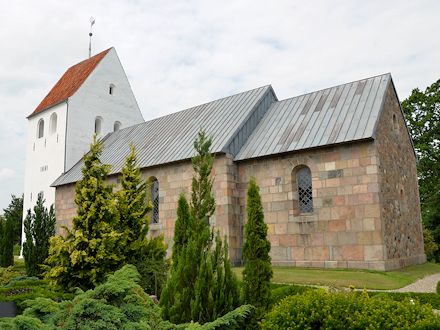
{"type": "Point", "coordinates": [344, 278]}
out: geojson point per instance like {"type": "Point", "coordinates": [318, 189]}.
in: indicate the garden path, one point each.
{"type": "Point", "coordinates": [426, 284]}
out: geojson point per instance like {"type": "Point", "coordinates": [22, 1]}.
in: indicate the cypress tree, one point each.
{"type": "Point", "coordinates": [91, 249]}
{"type": "Point", "coordinates": [182, 227]}
{"type": "Point", "coordinates": [29, 246]}
{"type": "Point", "coordinates": [201, 286]}
{"type": "Point", "coordinates": [258, 270]}
{"type": "Point", "coordinates": [39, 227]}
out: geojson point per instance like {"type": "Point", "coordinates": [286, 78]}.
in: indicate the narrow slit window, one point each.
{"type": "Point", "coordinates": [116, 126]}
{"type": "Point", "coordinates": [155, 200]}
{"type": "Point", "coordinates": [40, 130]}
{"type": "Point", "coordinates": [111, 89]}
{"type": "Point", "coordinates": [53, 123]}
{"type": "Point", "coordinates": [305, 198]}
{"type": "Point", "coordinates": [98, 125]}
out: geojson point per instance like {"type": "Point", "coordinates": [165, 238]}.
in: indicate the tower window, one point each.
{"type": "Point", "coordinates": [98, 125]}
{"type": "Point", "coordinates": [395, 124]}
{"type": "Point", "coordinates": [116, 126]}
{"type": "Point", "coordinates": [40, 129]}
{"type": "Point", "coordinates": [304, 182]}
{"type": "Point", "coordinates": [53, 123]}
{"type": "Point", "coordinates": [111, 89]}
{"type": "Point", "coordinates": [154, 199]}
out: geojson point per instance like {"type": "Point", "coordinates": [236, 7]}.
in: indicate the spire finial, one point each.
{"type": "Point", "coordinates": [92, 21]}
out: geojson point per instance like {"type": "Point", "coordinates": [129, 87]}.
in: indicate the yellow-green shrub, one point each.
{"type": "Point", "coordinates": [318, 309]}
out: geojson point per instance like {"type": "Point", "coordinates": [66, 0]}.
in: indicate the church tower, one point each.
{"type": "Point", "coordinates": [92, 97]}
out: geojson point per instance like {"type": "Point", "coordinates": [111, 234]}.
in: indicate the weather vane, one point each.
{"type": "Point", "coordinates": [92, 21]}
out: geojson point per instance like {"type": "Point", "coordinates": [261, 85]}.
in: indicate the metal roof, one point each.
{"type": "Point", "coordinates": [334, 115]}
{"type": "Point", "coordinates": [251, 124]}
{"type": "Point", "coordinates": [171, 138]}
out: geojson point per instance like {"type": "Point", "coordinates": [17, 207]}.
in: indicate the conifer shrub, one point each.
{"type": "Point", "coordinates": [257, 266]}
{"type": "Point", "coordinates": [92, 248]}
{"type": "Point", "coordinates": [317, 309]}
{"type": "Point", "coordinates": [201, 286]}
{"type": "Point", "coordinates": [39, 227]}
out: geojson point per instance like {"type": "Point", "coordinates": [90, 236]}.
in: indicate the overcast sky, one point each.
{"type": "Point", "coordinates": [179, 54]}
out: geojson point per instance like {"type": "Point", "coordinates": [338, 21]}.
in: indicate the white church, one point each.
{"type": "Point", "coordinates": [336, 167]}
{"type": "Point", "coordinates": [92, 97]}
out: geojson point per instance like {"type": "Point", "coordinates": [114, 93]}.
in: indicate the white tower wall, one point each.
{"type": "Point", "coordinates": [93, 99]}
{"type": "Point", "coordinates": [44, 156]}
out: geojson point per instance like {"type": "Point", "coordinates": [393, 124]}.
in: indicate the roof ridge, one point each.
{"type": "Point", "coordinates": [201, 104]}
{"type": "Point", "coordinates": [335, 86]}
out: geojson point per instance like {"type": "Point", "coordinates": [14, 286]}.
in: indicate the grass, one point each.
{"type": "Point", "coordinates": [345, 277]}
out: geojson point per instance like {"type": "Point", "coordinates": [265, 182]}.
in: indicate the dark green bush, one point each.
{"type": "Point", "coordinates": [422, 297]}
{"type": "Point", "coordinates": [437, 288]}
{"type": "Point", "coordinates": [317, 309]}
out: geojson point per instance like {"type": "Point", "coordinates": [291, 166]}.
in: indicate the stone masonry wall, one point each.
{"type": "Point", "coordinates": [345, 228]}
{"type": "Point", "coordinates": [174, 179]}
{"type": "Point", "coordinates": [399, 193]}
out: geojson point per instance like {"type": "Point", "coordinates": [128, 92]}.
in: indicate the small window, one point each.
{"type": "Point", "coordinates": [111, 89]}
{"type": "Point", "coordinates": [305, 198]}
{"type": "Point", "coordinates": [53, 123]}
{"type": "Point", "coordinates": [116, 126]}
{"type": "Point", "coordinates": [40, 129]}
{"type": "Point", "coordinates": [395, 125]}
{"type": "Point", "coordinates": [154, 199]}
{"type": "Point", "coordinates": [98, 125]}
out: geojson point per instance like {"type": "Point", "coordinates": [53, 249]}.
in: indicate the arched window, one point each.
{"type": "Point", "coordinates": [53, 123]}
{"type": "Point", "coordinates": [40, 129]}
{"type": "Point", "coordinates": [154, 183]}
{"type": "Point", "coordinates": [116, 126]}
{"type": "Point", "coordinates": [111, 89]}
{"type": "Point", "coordinates": [304, 182]}
{"type": "Point", "coordinates": [98, 125]}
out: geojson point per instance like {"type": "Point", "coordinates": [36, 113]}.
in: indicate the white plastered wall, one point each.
{"type": "Point", "coordinates": [92, 100]}
{"type": "Point", "coordinates": [44, 156]}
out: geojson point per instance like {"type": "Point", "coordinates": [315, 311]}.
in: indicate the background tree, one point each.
{"type": "Point", "coordinates": [14, 211]}
{"type": "Point", "coordinates": [201, 285]}
{"type": "Point", "coordinates": [7, 242]}
{"type": "Point", "coordinates": [257, 266]}
{"type": "Point", "coordinates": [39, 228]}
{"type": "Point", "coordinates": [422, 113]}
{"type": "Point", "coordinates": [91, 249]}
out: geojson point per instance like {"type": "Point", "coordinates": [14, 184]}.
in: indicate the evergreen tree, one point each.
{"type": "Point", "coordinates": [132, 209]}
{"type": "Point", "coordinates": [14, 211]}
{"type": "Point", "coordinates": [39, 228]}
{"type": "Point", "coordinates": [202, 198]}
{"type": "Point", "coordinates": [258, 270]}
{"type": "Point", "coordinates": [29, 246]}
{"type": "Point", "coordinates": [182, 227]}
{"type": "Point", "coordinates": [91, 249]}
{"type": "Point", "coordinates": [7, 243]}
{"type": "Point", "coordinates": [201, 285]}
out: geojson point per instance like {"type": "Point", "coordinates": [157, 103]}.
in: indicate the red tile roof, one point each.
{"type": "Point", "coordinates": [69, 83]}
